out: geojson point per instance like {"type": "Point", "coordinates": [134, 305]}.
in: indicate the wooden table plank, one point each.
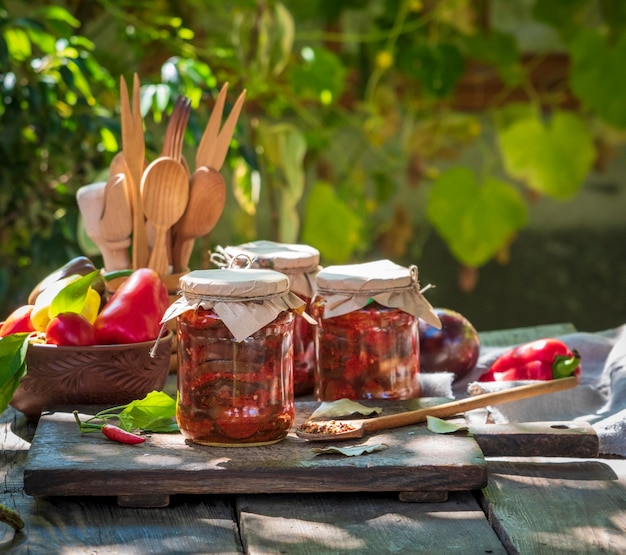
{"type": "Point", "coordinates": [98, 525]}
{"type": "Point", "coordinates": [363, 524]}
{"type": "Point", "coordinates": [556, 506]}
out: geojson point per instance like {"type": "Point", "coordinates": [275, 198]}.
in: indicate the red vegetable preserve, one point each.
{"type": "Point", "coordinates": [300, 263]}
{"type": "Point", "coordinates": [235, 390]}
{"type": "Point", "coordinates": [371, 353]}
{"type": "Point", "coordinates": [367, 339]}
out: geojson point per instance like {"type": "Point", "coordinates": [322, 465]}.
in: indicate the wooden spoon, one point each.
{"type": "Point", "coordinates": [116, 223]}
{"type": "Point", "coordinates": [207, 197]}
{"type": "Point", "coordinates": [164, 193]}
{"type": "Point", "coordinates": [90, 200]}
{"type": "Point", "coordinates": [316, 430]}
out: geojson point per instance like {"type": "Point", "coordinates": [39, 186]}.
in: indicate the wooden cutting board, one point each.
{"type": "Point", "coordinates": [416, 463]}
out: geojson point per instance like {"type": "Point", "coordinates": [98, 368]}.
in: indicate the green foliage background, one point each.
{"type": "Point", "coordinates": [351, 132]}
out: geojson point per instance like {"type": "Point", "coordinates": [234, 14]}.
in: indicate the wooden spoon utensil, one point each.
{"type": "Point", "coordinates": [207, 197]}
{"type": "Point", "coordinates": [214, 143]}
{"type": "Point", "coordinates": [165, 192]}
{"type": "Point", "coordinates": [342, 429]}
{"type": "Point", "coordinates": [116, 223]}
{"type": "Point", "coordinates": [90, 200]}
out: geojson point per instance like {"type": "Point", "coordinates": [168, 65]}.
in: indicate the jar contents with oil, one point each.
{"type": "Point", "coordinates": [235, 356]}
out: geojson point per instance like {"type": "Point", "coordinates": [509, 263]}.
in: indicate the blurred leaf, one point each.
{"type": "Point", "coordinates": [614, 12]}
{"type": "Point", "coordinates": [437, 66]}
{"type": "Point", "coordinates": [565, 16]}
{"type": "Point", "coordinates": [18, 44]}
{"type": "Point", "coordinates": [552, 158]}
{"type": "Point", "coordinates": [499, 50]}
{"type": "Point", "coordinates": [330, 225]}
{"type": "Point", "coordinates": [285, 27]}
{"type": "Point", "coordinates": [594, 78]}
{"type": "Point", "coordinates": [475, 219]}
{"type": "Point", "coordinates": [284, 148]}
{"type": "Point", "coordinates": [318, 71]}
{"type": "Point", "coordinates": [244, 189]}
{"type": "Point", "coordinates": [58, 13]}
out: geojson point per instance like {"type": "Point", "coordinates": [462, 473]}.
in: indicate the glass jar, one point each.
{"type": "Point", "coordinates": [367, 337]}
{"type": "Point", "coordinates": [300, 263]}
{"type": "Point", "coordinates": [235, 356]}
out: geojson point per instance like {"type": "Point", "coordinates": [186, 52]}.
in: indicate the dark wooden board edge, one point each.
{"type": "Point", "coordinates": [63, 462]}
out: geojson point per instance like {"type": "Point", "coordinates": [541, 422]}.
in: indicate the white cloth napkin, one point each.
{"type": "Point", "coordinates": [600, 399]}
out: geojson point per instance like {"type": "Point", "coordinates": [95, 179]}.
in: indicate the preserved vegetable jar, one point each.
{"type": "Point", "coordinates": [300, 263]}
{"type": "Point", "coordinates": [235, 356]}
{"type": "Point", "coordinates": [367, 338]}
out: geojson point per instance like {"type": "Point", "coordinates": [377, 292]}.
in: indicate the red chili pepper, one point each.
{"type": "Point", "coordinates": [121, 436]}
{"type": "Point", "coordinates": [114, 433]}
{"type": "Point", "coordinates": [133, 314]}
{"type": "Point", "coordinates": [543, 359]}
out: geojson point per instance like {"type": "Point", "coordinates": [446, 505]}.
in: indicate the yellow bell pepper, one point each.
{"type": "Point", "coordinates": [40, 316]}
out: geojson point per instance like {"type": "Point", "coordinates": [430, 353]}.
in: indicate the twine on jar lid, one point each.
{"type": "Point", "coordinates": [299, 262]}
{"type": "Point", "coordinates": [246, 300]}
{"type": "Point", "coordinates": [351, 287]}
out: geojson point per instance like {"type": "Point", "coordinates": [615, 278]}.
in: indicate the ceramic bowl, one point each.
{"type": "Point", "coordinates": [96, 375]}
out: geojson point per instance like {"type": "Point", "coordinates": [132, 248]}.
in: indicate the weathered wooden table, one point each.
{"type": "Point", "coordinates": [540, 505]}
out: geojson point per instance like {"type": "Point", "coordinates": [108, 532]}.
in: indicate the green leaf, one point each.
{"type": "Point", "coordinates": [343, 407]}
{"type": "Point", "coordinates": [330, 224]}
{"type": "Point", "coordinates": [18, 44]}
{"type": "Point", "coordinates": [12, 366]}
{"type": "Point", "coordinates": [154, 413]}
{"type": "Point", "coordinates": [319, 74]}
{"type": "Point", "coordinates": [440, 426]}
{"type": "Point", "coordinates": [245, 186]}
{"type": "Point", "coordinates": [499, 50]}
{"type": "Point", "coordinates": [58, 13]}
{"type": "Point", "coordinates": [566, 16]}
{"type": "Point", "coordinates": [438, 67]}
{"type": "Point", "coordinates": [475, 219]}
{"type": "Point", "coordinates": [595, 79]}
{"type": "Point", "coordinates": [285, 29]}
{"type": "Point", "coordinates": [352, 451]}
{"type": "Point", "coordinates": [73, 296]}
{"type": "Point", "coordinates": [552, 158]}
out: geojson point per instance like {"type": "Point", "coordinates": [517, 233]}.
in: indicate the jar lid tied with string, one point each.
{"type": "Point", "coordinates": [245, 299]}
{"type": "Point", "coordinates": [300, 263]}
{"type": "Point", "coordinates": [351, 287]}
{"type": "Point", "coordinates": [367, 338]}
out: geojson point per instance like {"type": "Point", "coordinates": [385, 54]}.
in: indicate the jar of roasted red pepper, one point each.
{"type": "Point", "coordinates": [235, 356]}
{"type": "Point", "coordinates": [300, 263]}
{"type": "Point", "coordinates": [367, 339]}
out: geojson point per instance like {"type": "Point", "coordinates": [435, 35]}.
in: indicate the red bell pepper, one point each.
{"type": "Point", "coordinates": [133, 313]}
{"type": "Point", "coordinates": [18, 321]}
{"type": "Point", "coordinates": [543, 359]}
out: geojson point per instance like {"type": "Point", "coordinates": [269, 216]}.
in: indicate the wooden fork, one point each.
{"type": "Point", "coordinates": [175, 131]}
{"type": "Point", "coordinates": [134, 148]}
{"type": "Point", "coordinates": [214, 143]}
